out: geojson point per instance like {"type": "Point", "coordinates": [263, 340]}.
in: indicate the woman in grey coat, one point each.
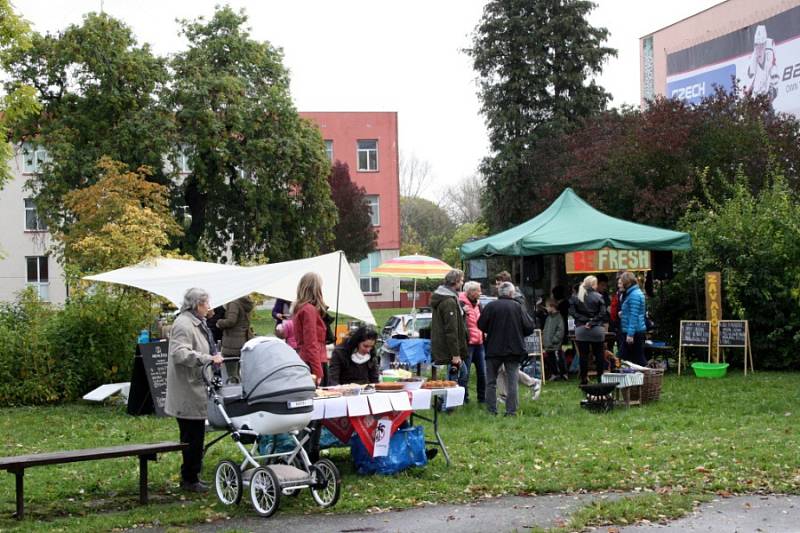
{"type": "Point", "coordinates": [191, 345]}
{"type": "Point", "coordinates": [589, 311]}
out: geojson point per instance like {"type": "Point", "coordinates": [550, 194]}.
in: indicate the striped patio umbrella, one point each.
{"type": "Point", "coordinates": [412, 267]}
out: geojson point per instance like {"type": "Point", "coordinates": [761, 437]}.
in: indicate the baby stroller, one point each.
{"type": "Point", "coordinates": [275, 396]}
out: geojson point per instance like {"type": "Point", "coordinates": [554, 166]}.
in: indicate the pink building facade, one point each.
{"type": "Point", "coordinates": [367, 143]}
{"type": "Point", "coordinates": [757, 43]}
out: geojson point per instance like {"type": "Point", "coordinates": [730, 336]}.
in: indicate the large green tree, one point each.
{"type": "Point", "coordinates": [535, 60]}
{"type": "Point", "coordinates": [425, 227]}
{"type": "Point", "coordinates": [258, 172]}
{"type": "Point", "coordinates": [20, 99]}
{"type": "Point", "coordinates": [99, 91]}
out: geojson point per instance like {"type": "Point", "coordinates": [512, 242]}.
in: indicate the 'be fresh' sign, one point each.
{"type": "Point", "coordinates": [607, 260]}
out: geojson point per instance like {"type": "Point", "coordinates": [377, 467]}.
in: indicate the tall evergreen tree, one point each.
{"type": "Point", "coordinates": [354, 233]}
{"type": "Point", "coordinates": [258, 184]}
{"type": "Point", "coordinates": [535, 60]}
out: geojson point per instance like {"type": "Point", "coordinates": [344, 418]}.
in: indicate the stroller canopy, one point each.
{"type": "Point", "coordinates": [273, 372]}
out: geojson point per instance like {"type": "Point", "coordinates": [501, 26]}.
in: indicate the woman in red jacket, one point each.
{"type": "Point", "coordinates": [309, 327]}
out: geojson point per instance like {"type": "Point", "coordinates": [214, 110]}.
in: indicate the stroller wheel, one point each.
{"type": "Point", "coordinates": [265, 491]}
{"type": "Point", "coordinates": [326, 483]}
{"type": "Point", "coordinates": [228, 482]}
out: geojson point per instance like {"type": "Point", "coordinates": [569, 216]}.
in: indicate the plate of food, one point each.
{"type": "Point", "coordinates": [412, 383]}
{"type": "Point", "coordinates": [439, 384]}
{"type": "Point", "coordinates": [324, 393]}
{"type": "Point", "coordinates": [389, 386]}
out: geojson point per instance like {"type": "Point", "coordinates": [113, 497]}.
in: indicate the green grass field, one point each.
{"type": "Point", "coordinates": [703, 437]}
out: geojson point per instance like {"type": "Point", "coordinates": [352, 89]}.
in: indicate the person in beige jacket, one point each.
{"type": "Point", "coordinates": [191, 345]}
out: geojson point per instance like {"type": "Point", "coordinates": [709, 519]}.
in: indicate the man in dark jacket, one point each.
{"type": "Point", "coordinates": [506, 324]}
{"type": "Point", "coordinates": [448, 328]}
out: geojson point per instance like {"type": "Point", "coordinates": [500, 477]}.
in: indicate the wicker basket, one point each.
{"type": "Point", "coordinates": [651, 388]}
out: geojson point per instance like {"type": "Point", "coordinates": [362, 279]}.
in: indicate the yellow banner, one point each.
{"type": "Point", "coordinates": [714, 308]}
{"type": "Point", "coordinates": [607, 260]}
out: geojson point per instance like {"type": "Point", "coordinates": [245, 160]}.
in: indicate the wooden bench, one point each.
{"type": "Point", "coordinates": [146, 452]}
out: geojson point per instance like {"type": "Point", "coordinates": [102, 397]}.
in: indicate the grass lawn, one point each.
{"type": "Point", "coordinates": [703, 437]}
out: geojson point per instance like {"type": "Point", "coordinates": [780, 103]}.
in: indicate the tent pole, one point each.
{"type": "Point", "coordinates": [414, 305]}
{"type": "Point", "coordinates": [338, 286]}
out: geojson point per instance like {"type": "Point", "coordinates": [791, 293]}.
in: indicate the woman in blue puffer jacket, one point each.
{"type": "Point", "coordinates": [632, 319]}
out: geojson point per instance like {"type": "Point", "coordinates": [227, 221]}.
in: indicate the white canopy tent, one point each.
{"type": "Point", "coordinates": [171, 278]}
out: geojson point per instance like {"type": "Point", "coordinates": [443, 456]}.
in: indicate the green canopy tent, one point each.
{"type": "Point", "coordinates": [570, 225]}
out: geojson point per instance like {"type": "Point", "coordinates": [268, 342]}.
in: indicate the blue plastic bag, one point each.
{"type": "Point", "coordinates": [406, 449]}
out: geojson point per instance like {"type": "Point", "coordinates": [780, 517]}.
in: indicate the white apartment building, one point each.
{"type": "Point", "coordinates": [24, 240]}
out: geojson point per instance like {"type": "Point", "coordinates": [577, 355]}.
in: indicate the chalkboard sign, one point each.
{"type": "Point", "coordinates": [695, 333]}
{"type": "Point", "coordinates": [732, 333]}
{"type": "Point", "coordinates": [533, 343]}
{"type": "Point", "coordinates": [148, 391]}
{"type": "Point", "coordinates": [154, 357]}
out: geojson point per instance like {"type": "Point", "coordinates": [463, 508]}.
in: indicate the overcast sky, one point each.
{"type": "Point", "coordinates": [367, 55]}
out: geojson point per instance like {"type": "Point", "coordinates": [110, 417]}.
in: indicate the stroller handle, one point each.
{"type": "Point", "coordinates": [204, 370]}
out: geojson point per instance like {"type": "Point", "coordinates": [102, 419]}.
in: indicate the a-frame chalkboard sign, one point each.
{"type": "Point", "coordinates": [694, 333]}
{"type": "Point", "coordinates": [736, 334]}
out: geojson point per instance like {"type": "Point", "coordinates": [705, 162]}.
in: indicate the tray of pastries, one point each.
{"type": "Point", "coordinates": [325, 393]}
{"type": "Point", "coordinates": [439, 384]}
{"type": "Point", "coordinates": [389, 386]}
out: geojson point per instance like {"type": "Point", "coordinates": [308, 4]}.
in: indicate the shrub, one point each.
{"type": "Point", "coordinates": [754, 241]}
{"type": "Point", "coordinates": [29, 373]}
{"type": "Point", "coordinates": [53, 355]}
{"type": "Point", "coordinates": [95, 335]}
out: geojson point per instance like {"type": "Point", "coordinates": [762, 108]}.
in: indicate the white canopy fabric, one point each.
{"type": "Point", "coordinates": [171, 278]}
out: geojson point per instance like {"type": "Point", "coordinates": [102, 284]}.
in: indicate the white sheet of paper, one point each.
{"type": "Point", "coordinates": [357, 406]}
{"type": "Point", "coordinates": [455, 397]}
{"type": "Point", "coordinates": [383, 434]}
{"type": "Point", "coordinates": [421, 399]}
{"type": "Point", "coordinates": [379, 403]}
{"type": "Point", "coordinates": [319, 410]}
{"type": "Point", "coordinates": [336, 407]}
{"type": "Point", "coordinates": [400, 401]}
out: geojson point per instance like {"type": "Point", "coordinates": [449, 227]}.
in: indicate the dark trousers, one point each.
{"type": "Point", "coordinates": [477, 357]}
{"type": "Point", "coordinates": [584, 347]}
{"type": "Point", "coordinates": [555, 363]}
{"type": "Point", "coordinates": [193, 433]}
{"type": "Point", "coordinates": [635, 351]}
{"type": "Point", "coordinates": [623, 346]}
{"type": "Point", "coordinates": [511, 365]}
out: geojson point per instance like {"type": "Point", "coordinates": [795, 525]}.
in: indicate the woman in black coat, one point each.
{"type": "Point", "coordinates": [355, 361]}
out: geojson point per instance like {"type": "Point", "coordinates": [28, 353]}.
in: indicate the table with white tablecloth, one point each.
{"type": "Point", "coordinates": [626, 381]}
{"type": "Point", "coordinates": [363, 412]}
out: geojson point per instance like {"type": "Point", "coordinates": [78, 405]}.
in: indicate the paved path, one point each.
{"type": "Point", "coordinates": [496, 515]}
{"type": "Point", "coordinates": [740, 514]}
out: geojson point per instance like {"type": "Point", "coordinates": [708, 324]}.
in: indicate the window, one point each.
{"type": "Point", "coordinates": [183, 160]}
{"type": "Point", "coordinates": [368, 156]}
{"type": "Point", "coordinates": [374, 208]}
{"type": "Point", "coordinates": [367, 265]}
{"type": "Point", "coordinates": [329, 149]}
{"type": "Point", "coordinates": [37, 275]}
{"type": "Point", "coordinates": [32, 220]}
{"type": "Point", "coordinates": [33, 158]}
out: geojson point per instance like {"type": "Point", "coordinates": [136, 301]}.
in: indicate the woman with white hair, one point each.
{"type": "Point", "coordinates": [191, 345]}
{"type": "Point", "coordinates": [589, 311]}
